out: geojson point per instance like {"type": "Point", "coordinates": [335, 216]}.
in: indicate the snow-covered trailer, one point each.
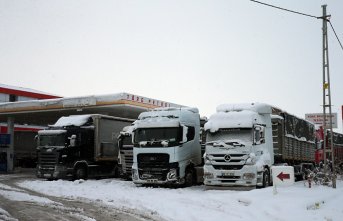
{"type": "Point", "coordinates": [245, 140]}
{"type": "Point", "coordinates": [79, 147]}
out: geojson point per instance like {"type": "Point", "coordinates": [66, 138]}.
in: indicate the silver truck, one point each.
{"type": "Point", "coordinates": [244, 140]}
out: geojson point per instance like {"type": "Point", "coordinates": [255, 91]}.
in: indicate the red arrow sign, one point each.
{"type": "Point", "coordinates": [283, 176]}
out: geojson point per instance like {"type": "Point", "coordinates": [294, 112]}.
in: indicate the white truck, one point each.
{"type": "Point", "coordinates": [125, 157]}
{"type": "Point", "coordinates": [167, 149]}
{"type": "Point", "coordinates": [244, 140]}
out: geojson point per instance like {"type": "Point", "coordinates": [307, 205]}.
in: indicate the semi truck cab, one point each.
{"type": "Point", "coordinates": [239, 146]}
{"type": "Point", "coordinates": [167, 147]}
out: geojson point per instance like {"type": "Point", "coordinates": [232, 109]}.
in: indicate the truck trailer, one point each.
{"type": "Point", "coordinates": [337, 146]}
{"type": "Point", "coordinates": [80, 147]}
{"type": "Point", "coordinates": [167, 149]}
{"type": "Point", "coordinates": [244, 140]}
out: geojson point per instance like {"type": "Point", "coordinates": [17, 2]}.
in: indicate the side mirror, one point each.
{"type": "Point", "coordinates": [72, 140]}
{"type": "Point", "coordinates": [258, 134]}
{"type": "Point", "coordinates": [184, 134]}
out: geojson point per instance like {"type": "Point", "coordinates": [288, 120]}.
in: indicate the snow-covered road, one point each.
{"type": "Point", "coordinates": [18, 203]}
{"type": "Point", "coordinates": [293, 203]}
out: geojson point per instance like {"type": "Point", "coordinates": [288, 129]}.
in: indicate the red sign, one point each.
{"type": "Point", "coordinates": [283, 176]}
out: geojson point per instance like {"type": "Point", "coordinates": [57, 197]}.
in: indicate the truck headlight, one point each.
{"type": "Point", "coordinates": [248, 176]}
{"type": "Point", "coordinates": [172, 174]}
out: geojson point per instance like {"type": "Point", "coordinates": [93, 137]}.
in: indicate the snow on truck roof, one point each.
{"type": "Point", "coordinates": [237, 116]}
{"type": "Point", "coordinates": [164, 117]}
{"type": "Point", "coordinates": [75, 120]}
{"type": "Point", "coordinates": [232, 119]}
{"type": "Point", "coordinates": [261, 108]}
{"type": "Point", "coordinates": [172, 112]}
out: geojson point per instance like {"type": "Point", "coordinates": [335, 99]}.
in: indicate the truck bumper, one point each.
{"type": "Point", "coordinates": [171, 178]}
{"type": "Point", "coordinates": [58, 172]}
{"type": "Point", "coordinates": [246, 177]}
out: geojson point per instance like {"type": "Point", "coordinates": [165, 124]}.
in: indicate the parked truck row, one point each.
{"type": "Point", "coordinates": [236, 146]}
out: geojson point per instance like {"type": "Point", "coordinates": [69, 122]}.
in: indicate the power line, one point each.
{"type": "Point", "coordinates": [300, 13]}
{"type": "Point", "coordinates": [285, 9]}
{"type": "Point", "coordinates": [336, 35]}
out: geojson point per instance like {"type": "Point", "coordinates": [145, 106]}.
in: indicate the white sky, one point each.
{"type": "Point", "coordinates": [196, 53]}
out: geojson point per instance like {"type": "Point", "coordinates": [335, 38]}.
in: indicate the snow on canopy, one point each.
{"type": "Point", "coordinates": [73, 120]}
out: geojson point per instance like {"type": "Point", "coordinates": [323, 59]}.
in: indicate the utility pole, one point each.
{"type": "Point", "coordinates": [327, 100]}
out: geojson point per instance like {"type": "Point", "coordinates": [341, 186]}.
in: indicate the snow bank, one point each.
{"type": "Point", "coordinates": [297, 202]}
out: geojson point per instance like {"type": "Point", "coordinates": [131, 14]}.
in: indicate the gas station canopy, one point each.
{"type": "Point", "coordinates": [45, 112]}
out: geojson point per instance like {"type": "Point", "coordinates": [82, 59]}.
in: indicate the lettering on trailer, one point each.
{"type": "Point", "coordinates": [145, 100]}
{"type": "Point", "coordinates": [283, 176]}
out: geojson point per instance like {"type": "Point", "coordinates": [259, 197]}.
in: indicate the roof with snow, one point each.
{"type": "Point", "coordinates": [26, 92]}
{"type": "Point", "coordinates": [44, 112]}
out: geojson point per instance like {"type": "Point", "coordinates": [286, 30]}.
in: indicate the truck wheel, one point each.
{"type": "Point", "coordinates": [80, 173]}
{"type": "Point", "coordinates": [116, 171]}
{"type": "Point", "coordinates": [266, 178]}
{"type": "Point", "coordinates": [189, 178]}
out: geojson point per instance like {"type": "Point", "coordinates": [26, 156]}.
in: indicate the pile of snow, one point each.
{"type": "Point", "coordinates": [297, 202]}
{"type": "Point", "coordinates": [76, 120]}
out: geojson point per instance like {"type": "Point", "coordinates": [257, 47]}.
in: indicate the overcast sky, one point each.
{"type": "Point", "coordinates": [191, 52]}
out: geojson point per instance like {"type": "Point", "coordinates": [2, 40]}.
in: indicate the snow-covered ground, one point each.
{"type": "Point", "coordinates": [297, 202]}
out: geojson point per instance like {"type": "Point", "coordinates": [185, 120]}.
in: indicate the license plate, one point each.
{"type": "Point", "coordinates": [228, 174]}
{"type": "Point", "coordinates": [47, 175]}
{"type": "Point", "coordinates": [152, 180]}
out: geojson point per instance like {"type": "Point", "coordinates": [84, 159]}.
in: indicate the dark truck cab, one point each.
{"type": "Point", "coordinates": [80, 147]}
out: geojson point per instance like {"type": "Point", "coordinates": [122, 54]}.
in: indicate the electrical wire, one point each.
{"type": "Point", "coordinates": [336, 35]}
{"type": "Point", "coordinates": [284, 9]}
{"type": "Point", "coordinates": [300, 13]}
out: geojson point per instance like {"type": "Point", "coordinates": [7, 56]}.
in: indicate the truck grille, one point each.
{"type": "Point", "coordinates": [47, 160]}
{"type": "Point", "coordinates": [127, 161]}
{"type": "Point", "coordinates": [228, 167]}
{"type": "Point", "coordinates": [153, 166]}
{"type": "Point", "coordinates": [236, 161]}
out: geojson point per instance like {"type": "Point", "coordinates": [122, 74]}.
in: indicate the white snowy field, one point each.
{"type": "Point", "coordinates": [294, 203]}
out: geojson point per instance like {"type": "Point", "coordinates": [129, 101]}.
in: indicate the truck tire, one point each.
{"type": "Point", "coordinates": [80, 173]}
{"type": "Point", "coordinates": [189, 177]}
{"type": "Point", "coordinates": [265, 178]}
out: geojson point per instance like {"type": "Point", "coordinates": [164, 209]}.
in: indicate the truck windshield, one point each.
{"type": "Point", "coordinates": [125, 142]}
{"type": "Point", "coordinates": [233, 137]}
{"type": "Point", "coordinates": [155, 136]}
{"type": "Point", "coordinates": [52, 140]}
